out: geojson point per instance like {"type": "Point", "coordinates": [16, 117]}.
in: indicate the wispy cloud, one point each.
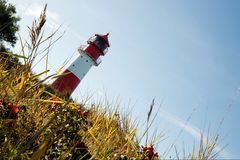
{"type": "Point", "coordinates": [53, 17]}
{"type": "Point", "coordinates": [193, 131]}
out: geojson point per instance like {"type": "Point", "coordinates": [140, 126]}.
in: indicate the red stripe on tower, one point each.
{"type": "Point", "coordinates": [66, 82]}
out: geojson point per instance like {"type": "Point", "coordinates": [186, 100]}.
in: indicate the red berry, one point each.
{"type": "Point", "coordinates": [15, 109]}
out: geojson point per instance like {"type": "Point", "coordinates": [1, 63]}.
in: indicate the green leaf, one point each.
{"type": "Point", "coordinates": [15, 55]}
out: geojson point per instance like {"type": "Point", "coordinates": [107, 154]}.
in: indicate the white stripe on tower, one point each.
{"type": "Point", "coordinates": [81, 65]}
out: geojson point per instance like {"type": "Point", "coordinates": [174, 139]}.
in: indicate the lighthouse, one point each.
{"type": "Point", "coordinates": [89, 56]}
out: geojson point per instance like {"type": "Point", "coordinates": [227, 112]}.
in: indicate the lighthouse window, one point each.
{"type": "Point", "coordinates": [100, 43]}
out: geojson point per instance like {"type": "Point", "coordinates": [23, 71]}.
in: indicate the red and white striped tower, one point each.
{"type": "Point", "coordinates": [89, 56]}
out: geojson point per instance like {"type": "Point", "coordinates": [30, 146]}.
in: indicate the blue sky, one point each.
{"type": "Point", "coordinates": [185, 54]}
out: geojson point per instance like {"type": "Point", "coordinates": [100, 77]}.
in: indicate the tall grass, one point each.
{"type": "Point", "coordinates": [37, 123]}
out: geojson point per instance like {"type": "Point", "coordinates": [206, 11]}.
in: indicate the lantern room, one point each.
{"type": "Point", "coordinates": [97, 46]}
